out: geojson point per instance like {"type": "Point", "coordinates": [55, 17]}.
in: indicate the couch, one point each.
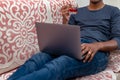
{"type": "Point", "coordinates": [18, 38]}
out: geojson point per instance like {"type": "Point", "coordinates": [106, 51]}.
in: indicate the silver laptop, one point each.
{"type": "Point", "coordinates": [59, 39]}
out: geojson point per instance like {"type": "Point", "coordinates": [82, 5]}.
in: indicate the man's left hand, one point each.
{"type": "Point", "coordinates": [89, 50]}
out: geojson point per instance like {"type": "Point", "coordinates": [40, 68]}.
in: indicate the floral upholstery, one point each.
{"type": "Point", "coordinates": [17, 31]}
{"type": "Point", "coordinates": [6, 75]}
{"type": "Point", "coordinates": [114, 61]}
{"type": "Point", "coordinates": [18, 39]}
{"type": "Point", "coordinates": [105, 75]}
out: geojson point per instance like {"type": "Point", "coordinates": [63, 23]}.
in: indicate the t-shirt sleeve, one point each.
{"type": "Point", "coordinates": [72, 20]}
{"type": "Point", "coordinates": [115, 26]}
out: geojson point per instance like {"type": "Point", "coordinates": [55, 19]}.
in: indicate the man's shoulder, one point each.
{"type": "Point", "coordinates": [111, 7]}
{"type": "Point", "coordinates": [113, 10]}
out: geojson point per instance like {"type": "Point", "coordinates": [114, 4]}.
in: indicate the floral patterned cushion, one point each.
{"type": "Point", "coordinates": [18, 39]}
{"type": "Point", "coordinates": [6, 75]}
{"type": "Point", "coordinates": [114, 61]}
{"type": "Point", "coordinates": [17, 28]}
{"type": "Point", "coordinates": [105, 75]}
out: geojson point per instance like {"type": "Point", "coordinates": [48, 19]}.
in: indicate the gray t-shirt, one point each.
{"type": "Point", "coordinates": [98, 25]}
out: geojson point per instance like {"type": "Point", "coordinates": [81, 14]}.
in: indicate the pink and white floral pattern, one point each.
{"type": "Point", "coordinates": [105, 75]}
{"type": "Point", "coordinates": [18, 39]}
{"type": "Point", "coordinates": [114, 61]}
{"type": "Point", "coordinates": [6, 75]}
{"type": "Point", "coordinates": [55, 9]}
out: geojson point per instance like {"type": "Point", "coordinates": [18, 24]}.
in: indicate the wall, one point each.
{"type": "Point", "coordinates": [110, 2]}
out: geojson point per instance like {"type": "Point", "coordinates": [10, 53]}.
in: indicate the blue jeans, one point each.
{"type": "Point", "coordinates": [43, 66]}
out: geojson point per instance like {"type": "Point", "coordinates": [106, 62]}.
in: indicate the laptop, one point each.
{"type": "Point", "coordinates": [59, 39]}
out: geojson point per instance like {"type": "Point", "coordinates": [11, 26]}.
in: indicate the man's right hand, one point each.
{"type": "Point", "coordinates": [65, 13]}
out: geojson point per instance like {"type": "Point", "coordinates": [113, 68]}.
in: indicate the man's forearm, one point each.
{"type": "Point", "coordinates": [65, 21]}
{"type": "Point", "coordinates": [108, 45]}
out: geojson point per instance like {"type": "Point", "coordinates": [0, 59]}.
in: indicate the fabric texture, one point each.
{"type": "Point", "coordinates": [104, 75]}
{"type": "Point", "coordinates": [60, 67]}
{"type": "Point", "coordinates": [97, 29]}
{"type": "Point", "coordinates": [95, 24]}
{"type": "Point", "coordinates": [114, 61]}
{"type": "Point", "coordinates": [18, 39]}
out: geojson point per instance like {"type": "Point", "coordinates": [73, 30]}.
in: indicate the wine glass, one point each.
{"type": "Point", "coordinates": [74, 7]}
{"type": "Point", "coordinates": [68, 9]}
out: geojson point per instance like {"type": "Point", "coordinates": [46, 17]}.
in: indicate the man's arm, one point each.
{"type": "Point", "coordinates": [108, 45]}
{"type": "Point", "coordinates": [65, 13]}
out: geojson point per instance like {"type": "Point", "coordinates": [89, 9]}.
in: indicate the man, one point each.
{"type": "Point", "coordinates": [100, 33]}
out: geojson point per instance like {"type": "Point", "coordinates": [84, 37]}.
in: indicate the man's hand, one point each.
{"type": "Point", "coordinates": [89, 50]}
{"type": "Point", "coordinates": [65, 13]}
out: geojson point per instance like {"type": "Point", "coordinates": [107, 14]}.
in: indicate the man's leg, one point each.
{"type": "Point", "coordinates": [36, 62]}
{"type": "Point", "coordinates": [65, 67]}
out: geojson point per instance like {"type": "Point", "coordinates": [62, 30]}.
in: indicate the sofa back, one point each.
{"type": "Point", "coordinates": [18, 39]}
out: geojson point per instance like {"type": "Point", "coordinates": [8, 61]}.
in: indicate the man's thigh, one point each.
{"type": "Point", "coordinates": [69, 67]}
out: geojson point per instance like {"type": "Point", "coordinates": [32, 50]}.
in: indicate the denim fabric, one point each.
{"type": "Point", "coordinates": [43, 66]}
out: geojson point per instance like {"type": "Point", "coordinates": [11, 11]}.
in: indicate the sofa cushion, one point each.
{"type": "Point", "coordinates": [114, 61]}
{"type": "Point", "coordinates": [105, 75]}
{"type": "Point", "coordinates": [6, 75]}
{"type": "Point", "coordinates": [18, 39]}
{"type": "Point", "coordinates": [18, 36]}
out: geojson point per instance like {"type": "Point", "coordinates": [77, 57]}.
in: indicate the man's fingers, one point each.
{"type": "Point", "coordinates": [65, 13]}
{"type": "Point", "coordinates": [85, 50]}
{"type": "Point", "coordinates": [65, 8]}
{"type": "Point", "coordinates": [91, 57]}
{"type": "Point", "coordinates": [87, 57]}
{"type": "Point", "coordinates": [83, 44]}
{"type": "Point", "coordinates": [82, 47]}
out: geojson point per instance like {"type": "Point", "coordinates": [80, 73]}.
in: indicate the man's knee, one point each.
{"type": "Point", "coordinates": [40, 56]}
{"type": "Point", "coordinates": [59, 64]}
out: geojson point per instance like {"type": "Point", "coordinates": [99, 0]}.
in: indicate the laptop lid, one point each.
{"type": "Point", "coordinates": [59, 39]}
